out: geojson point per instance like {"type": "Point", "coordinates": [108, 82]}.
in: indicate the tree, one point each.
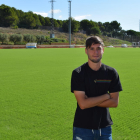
{"type": "Point", "coordinates": [86, 25]}
{"type": "Point", "coordinates": [102, 28]}
{"type": "Point", "coordinates": [122, 34]}
{"type": "Point", "coordinates": [65, 25]}
{"type": "Point", "coordinates": [42, 20]}
{"type": "Point", "coordinates": [3, 37]}
{"type": "Point", "coordinates": [95, 31]}
{"type": "Point", "coordinates": [75, 25]}
{"type": "Point", "coordinates": [16, 38]}
{"type": "Point", "coordinates": [116, 27]}
{"type": "Point", "coordinates": [38, 23]}
{"type": "Point", "coordinates": [108, 28]}
{"type": "Point", "coordinates": [19, 13]}
{"type": "Point", "coordinates": [47, 21]}
{"type": "Point", "coordinates": [28, 21]}
{"type": "Point", "coordinates": [8, 16]}
{"type": "Point", "coordinates": [55, 23]}
{"type": "Point", "coordinates": [60, 22]}
{"type": "Point", "coordinates": [131, 33]}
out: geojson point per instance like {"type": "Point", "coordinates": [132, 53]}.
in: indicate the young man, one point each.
{"type": "Point", "coordinates": [96, 87]}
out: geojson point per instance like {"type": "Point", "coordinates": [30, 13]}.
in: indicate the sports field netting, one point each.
{"type": "Point", "coordinates": [35, 98]}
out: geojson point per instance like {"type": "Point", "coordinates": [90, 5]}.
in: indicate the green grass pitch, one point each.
{"type": "Point", "coordinates": [35, 98]}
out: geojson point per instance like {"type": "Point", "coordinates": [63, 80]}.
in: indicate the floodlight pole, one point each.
{"type": "Point", "coordinates": [69, 23]}
{"type": "Point", "coordinates": [139, 25]}
{"type": "Point", "coordinates": [52, 30]}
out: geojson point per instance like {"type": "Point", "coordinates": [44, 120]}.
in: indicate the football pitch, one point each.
{"type": "Point", "coordinates": [35, 98]}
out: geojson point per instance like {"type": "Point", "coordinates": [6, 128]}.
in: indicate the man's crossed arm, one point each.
{"type": "Point", "coordinates": [105, 100]}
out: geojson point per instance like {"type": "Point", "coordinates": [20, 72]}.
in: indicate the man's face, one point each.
{"type": "Point", "coordinates": [95, 52]}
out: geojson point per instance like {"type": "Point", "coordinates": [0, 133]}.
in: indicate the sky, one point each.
{"type": "Point", "coordinates": [126, 12]}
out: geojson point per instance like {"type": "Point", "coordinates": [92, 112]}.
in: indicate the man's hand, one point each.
{"type": "Point", "coordinates": [112, 102]}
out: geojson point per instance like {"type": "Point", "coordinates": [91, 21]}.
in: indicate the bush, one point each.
{"type": "Point", "coordinates": [48, 40]}
{"type": "Point", "coordinates": [33, 38]}
{"type": "Point", "coordinates": [56, 40]}
{"type": "Point", "coordinates": [40, 38]}
{"type": "Point", "coordinates": [63, 40]}
{"type": "Point", "coordinates": [16, 38]}
{"type": "Point", "coordinates": [14, 27]}
{"type": "Point", "coordinates": [3, 37]}
{"type": "Point", "coordinates": [29, 38]}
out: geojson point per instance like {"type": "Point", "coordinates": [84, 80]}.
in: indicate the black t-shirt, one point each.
{"type": "Point", "coordinates": [94, 83]}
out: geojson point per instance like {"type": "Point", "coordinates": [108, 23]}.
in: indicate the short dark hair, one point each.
{"type": "Point", "coordinates": [93, 40]}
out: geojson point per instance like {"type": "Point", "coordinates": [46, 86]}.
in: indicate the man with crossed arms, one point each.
{"type": "Point", "coordinates": [96, 87]}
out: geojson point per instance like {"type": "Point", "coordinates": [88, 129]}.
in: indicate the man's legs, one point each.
{"type": "Point", "coordinates": [90, 134]}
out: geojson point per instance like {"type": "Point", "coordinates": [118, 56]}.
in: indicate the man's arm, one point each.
{"type": "Point", "coordinates": [112, 102]}
{"type": "Point", "coordinates": [85, 102]}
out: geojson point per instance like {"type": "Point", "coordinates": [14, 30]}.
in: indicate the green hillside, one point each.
{"type": "Point", "coordinates": [77, 38]}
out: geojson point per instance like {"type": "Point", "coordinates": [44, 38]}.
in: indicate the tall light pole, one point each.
{"type": "Point", "coordinates": [69, 22]}
{"type": "Point", "coordinates": [139, 25]}
{"type": "Point", "coordinates": [52, 30]}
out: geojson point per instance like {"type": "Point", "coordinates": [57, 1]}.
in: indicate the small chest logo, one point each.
{"type": "Point", "coordinates": [102, 81]}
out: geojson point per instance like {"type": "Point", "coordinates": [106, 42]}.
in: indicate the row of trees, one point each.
{"type": "Point", "coordinates": [18, 38]}
{"type": "Point", "coordinates": [11, 17]}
